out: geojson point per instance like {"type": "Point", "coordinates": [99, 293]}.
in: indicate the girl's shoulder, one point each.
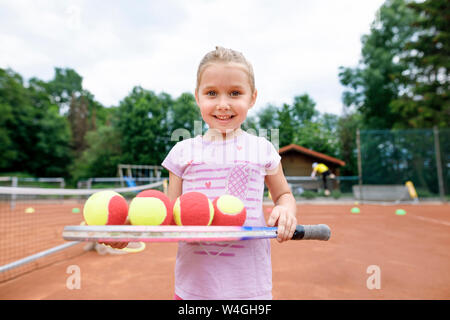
{"type": "Point", "coordinates": [188, 142]}
{"type": "Point", "coordinates": [256, 140]}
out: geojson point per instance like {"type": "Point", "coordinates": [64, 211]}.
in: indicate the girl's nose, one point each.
{"type": "Point", "coordinates": [223, 104]}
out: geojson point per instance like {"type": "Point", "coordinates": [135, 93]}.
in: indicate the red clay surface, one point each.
{"type": "Point", "coordinates": [411, 251]}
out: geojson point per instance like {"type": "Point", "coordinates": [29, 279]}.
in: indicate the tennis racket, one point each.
{"type": "Point", "coordinates": [127, 233]}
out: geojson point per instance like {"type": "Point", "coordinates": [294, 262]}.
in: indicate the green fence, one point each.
{"type": "Point", "coordinates": [392, 157]}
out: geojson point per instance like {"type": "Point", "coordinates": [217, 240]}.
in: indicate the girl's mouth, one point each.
{"type": "Point", "coordinates": [224, 118]}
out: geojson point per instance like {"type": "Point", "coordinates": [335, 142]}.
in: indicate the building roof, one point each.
{"type": "Point", "coordinates": [311, 153]}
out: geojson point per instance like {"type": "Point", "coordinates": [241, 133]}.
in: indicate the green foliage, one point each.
{"type": "Point", "coordinates": [425, 98]}
{"type": "Point", "coordinates": [143, 126]}
{"type": "Point", "coordinates": [101, 157]}
{"type": "Point", "coordinates": [346, 131]}
{"type": "Point", "coordinates": [287, 125]}
{"type": "Point", "coordinates": [182, 114]}
{"type": "Point", "coordinates": [370, 85]}
{"type": "Point", "coordinates": [308, 194]}
{"type": "Point", "coordinates": [7, 147]}
{"type": "Point", "coordinates": [336, 194]}
{"type": "Point", "coordinates": [267, 117]}
{"type": "Point", "coordinates": [34, 136]}
{"type": "Point", "coordinates": [300, 123]}
{"type": "Point", "coordinates": [65, 85]}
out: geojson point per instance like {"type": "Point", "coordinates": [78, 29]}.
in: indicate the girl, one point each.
{"type": "Point", "coordinates": [228, 160]}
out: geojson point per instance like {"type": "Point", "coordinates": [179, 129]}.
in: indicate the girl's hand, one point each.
{"type": "Point", "coordinates": [115, 245]}
{"type": "Point", "coordinates": [285, 220]}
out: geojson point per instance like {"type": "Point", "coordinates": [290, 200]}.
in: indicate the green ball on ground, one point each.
{"type": "Point", "coordinates": [355, 210]}
{"type": "Point", "coordinates": [400, 212]}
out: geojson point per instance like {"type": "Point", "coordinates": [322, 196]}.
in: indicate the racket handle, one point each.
{"type": "Point", "coordinates": [312, 232]}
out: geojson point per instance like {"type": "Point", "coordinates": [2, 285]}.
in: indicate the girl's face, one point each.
{"type": "Point", "coordinates": [224, 96]}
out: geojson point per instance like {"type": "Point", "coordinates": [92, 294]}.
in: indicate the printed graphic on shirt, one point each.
{"type": "Point", "coordinates": [238, 180]}
{"type": "Point", "coordinates": [217, 249]}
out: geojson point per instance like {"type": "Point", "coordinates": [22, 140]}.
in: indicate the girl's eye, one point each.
{"type": "Point", "coordinates": [235, 93]}
{"type": "Point", "coordinates": [211, 93]}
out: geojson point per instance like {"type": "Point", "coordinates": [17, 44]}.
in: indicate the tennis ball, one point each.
{"type": "Point", "coordinates": [105, 208]}
{"type": "Point", "coordinates": [193, 209]}
{"type": "Point", "coordinates": [150, 207]}
{"type": "Point", "coordinates": [400, 212]}
{"type": "Point", "coordinates": [172, 205]}
{"type": "Point", "coordinates": [29, 210]}
{"type": "Point", "coordinates": [228, 211]}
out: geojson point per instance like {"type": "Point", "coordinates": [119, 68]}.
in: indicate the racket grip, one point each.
{"type": "Point", "coordinates": [312, 232]}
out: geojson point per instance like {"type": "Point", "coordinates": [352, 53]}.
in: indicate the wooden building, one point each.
{"type": "Point", "coordinates": [297, 162]}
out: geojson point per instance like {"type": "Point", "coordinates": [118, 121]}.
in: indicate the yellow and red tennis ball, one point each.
{"type": "Point", "coordinates": [151, 208]}
{"type": "Point", "coordinates": [193, 209]}
{"type": "Point", "coordinates": [229, 211]}
{"type": "Point", "coordinates": [105, 208]}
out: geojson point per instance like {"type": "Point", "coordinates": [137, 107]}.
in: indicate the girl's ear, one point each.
{"type": "Point", "coordinates": [253, 100]}
{"type": "Point", "coordinates": [196, 97]}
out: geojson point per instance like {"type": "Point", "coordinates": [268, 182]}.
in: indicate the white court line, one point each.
{"type": "Point", "coordinates": [445, 223]}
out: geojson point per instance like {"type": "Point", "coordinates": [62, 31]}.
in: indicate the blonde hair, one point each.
{"type": "Point", "coordinates": [224, 55]}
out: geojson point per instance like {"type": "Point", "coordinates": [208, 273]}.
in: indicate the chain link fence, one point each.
{"type": "Point", "coordinates": [393, 157]}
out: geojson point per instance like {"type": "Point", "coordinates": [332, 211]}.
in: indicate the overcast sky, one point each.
{"type": "Point", "coordinates": [295, 46]}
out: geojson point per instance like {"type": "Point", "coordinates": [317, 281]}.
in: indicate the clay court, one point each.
{"type": "Point", "coordinates": [411, 251]}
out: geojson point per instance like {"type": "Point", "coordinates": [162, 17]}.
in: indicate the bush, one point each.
{"type": "Point", "coordinates": [308, 194]}
{"type": "Point", "coordinates": [336, 194]}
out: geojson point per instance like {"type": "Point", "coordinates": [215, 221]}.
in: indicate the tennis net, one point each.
{"type": "Point", "coordinates": [32, 221]}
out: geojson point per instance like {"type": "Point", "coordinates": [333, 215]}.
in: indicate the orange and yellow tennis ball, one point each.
{"type": "Point", "coordinates": [228, 211]}
{"type": "Point", "coordinates": [193, 209]}
{"type": "Point", "coordinates": [151, 208]}
{"type": "Point", "coordinates": [105, 208]}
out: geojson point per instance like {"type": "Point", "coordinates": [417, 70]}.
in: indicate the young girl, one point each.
{"type": "Point", "coordinates": [228, 160]}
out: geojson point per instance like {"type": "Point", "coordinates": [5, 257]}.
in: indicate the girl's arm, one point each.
{"type": "Point", "coordinates": [284, 214]}
{"type": "Point", "coordinates": [175, 186]}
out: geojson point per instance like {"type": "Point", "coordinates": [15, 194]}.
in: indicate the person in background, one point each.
{"type": "Point", "coordinates": [323, 170]}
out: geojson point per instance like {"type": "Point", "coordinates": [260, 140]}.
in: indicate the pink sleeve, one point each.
{"type": "Point", "coordinates": [173, 161]}
{"type": "Point", "coordinates": [273, 159]}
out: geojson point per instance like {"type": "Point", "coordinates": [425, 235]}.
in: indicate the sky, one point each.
{"type": "Point", "coordinates": [295, 46]}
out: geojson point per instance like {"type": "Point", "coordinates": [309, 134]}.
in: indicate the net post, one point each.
{"type": "Point", "coordinates": [358, 144]}
{"type": "Point", "coordinates": [14, 183]}
{"type": "Point", "coordinates": [437, 150]}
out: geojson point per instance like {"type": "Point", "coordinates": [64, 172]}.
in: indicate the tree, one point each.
{"type": "Point", "coordinates": [425, 98]}
{"type": "Point", "coordinates": [78, 104]}
{"type": "Point", "coordinates": [183, 113]}
{"type": "Point", "coordinates": [319, 135]}
{"type": "Point", "coordinates": [64, 87]}
{"type": "Point", "coordinates": [78, 119]}
{"type": "Point", "coordinates": [304, 109]}
{"type": "Point", "coordinates": [346, 131]}
{"type": "Point", "coordinates": [101, 157]}
{"type": "Point", "coordinates": [7, 148]}
{"type": "Point", "coordinates": [36, 136]}
{"type": "Point", "coordinates": [287, 126]}
{"type": "Point", "coordinates": [268, 117]}
{"type": "Point", "coordinates": [144, 127]}
{"type": "Point", "coordinates": [371, 88]}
